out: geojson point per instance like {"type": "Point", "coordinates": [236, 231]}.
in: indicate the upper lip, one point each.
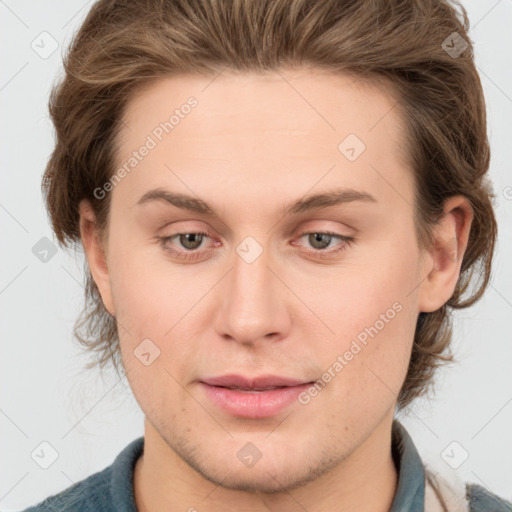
{"type": "Point", "coordinates": [262, 382]}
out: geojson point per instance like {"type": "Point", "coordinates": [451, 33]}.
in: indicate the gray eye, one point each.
{"type": "Point", "coordinates": [191, 240]}
{"type": "Point", "coordinates": [318, 240]}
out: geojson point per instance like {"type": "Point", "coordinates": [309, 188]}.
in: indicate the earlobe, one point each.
{"type": "Point", "coordinates": [442, 269]}
{"type": "Point", "coordinates": [95, 254]}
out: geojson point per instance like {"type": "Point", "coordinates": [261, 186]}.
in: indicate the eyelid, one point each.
{"type": "Point", "coordinates": [186, 256]}
{"type": "Point", "coordinates": [345, 241]}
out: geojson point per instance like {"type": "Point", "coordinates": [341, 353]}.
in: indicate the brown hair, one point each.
{"type": "Point", "coordinates": [123, 46]}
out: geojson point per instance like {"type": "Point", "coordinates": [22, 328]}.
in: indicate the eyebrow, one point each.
{"type": "Point", "coordinates": [308, 203]}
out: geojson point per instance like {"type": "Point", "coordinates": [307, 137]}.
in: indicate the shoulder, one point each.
{"type": "Point", "coordinates": [446, 491]}
{"type": "Point", "coordinates": [99, 492]}
{"type": "Point", "coordinates": [481, 500]}
{"type": "Point", "coordinates": [88, 495]}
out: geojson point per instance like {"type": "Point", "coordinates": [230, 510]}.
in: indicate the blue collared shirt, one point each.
{"type": "Point", "coordinates": [111, 490]}
{"type": "Point", "coordinates": [410, 491]}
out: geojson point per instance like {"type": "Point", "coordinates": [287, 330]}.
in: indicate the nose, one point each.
{"type": "Point", "coordinates": [255, 300]}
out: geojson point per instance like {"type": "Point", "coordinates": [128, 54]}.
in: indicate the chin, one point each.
{"type": "Point", "coordinates": [256, 481]}
{"type": "Point", "coordinates": [275, 472]}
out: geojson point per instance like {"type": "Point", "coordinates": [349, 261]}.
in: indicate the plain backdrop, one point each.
{"type": "Point", "coordinates": [84, 422]}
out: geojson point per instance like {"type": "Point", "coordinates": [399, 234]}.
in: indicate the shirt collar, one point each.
{"type": "Point", "coordinates": [410, 492]}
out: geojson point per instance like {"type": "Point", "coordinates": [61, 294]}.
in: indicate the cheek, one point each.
{"type": "Point", "coordinates": [373, 314]}
{"type": "Point", "coordinates": [152, 296]}
{"type": "Point", "coordinates": [155, 310]}
{"type": "Point", "coordinates": [377, 294]}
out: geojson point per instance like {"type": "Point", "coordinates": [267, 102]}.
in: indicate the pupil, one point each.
{"type": "Point", "coordinates": [317, 237]}
{"type": "Point", "coordinates": [191, 237]}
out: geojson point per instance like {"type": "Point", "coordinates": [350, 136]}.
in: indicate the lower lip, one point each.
{"type": "Point", "coordinates": [253, 404]}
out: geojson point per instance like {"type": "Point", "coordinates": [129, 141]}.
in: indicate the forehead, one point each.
{"type": "Point", "coordinates": [329, 104]}
{"type": "Point", "coordinates": [278, 128]}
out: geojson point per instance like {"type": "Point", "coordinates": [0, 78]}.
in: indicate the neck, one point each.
{"type": "Point", "coordinates": [365, 481]}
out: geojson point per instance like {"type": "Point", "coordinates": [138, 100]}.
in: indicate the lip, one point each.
{"type": "Point", "coordinates": [256, 397]}
{"type": "Point", "coordinates": [252, 384]}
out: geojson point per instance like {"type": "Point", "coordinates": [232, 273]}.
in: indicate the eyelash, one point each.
{"type": "Point", "coordinates": [322, 254]}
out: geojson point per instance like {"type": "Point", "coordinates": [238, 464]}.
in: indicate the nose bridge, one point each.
{"type": "Point", "coordinates": [254, 305]}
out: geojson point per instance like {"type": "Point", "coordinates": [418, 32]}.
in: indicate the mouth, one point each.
{"type": "Point", "coordinates": [258, 397]}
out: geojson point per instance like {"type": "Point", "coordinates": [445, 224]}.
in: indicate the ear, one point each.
{"type": "Point", "coordinates": [444, 261]}
{"type": "Point", "coordinates": [95, 253]}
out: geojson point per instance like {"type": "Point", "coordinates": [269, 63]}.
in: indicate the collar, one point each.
{"type": "Point", "coordinates": [409, 496]}
{"type": "Point", "coordinates": [410, 492]}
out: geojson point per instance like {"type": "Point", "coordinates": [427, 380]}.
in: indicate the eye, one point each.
{"type": "Point", "coordinates": [189, 241]}
{"type": "Point", "coordinates": [322, 239]}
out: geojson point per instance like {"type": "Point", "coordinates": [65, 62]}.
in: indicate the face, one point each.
{"type": "Point", "coordinates": [266, 337]}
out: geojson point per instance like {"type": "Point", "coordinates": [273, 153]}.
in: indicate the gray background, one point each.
{"type": "Point", "coordinates": [46, 396]}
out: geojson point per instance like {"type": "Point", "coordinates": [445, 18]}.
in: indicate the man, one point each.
{"type": "Point", "coordinates": [278, 201]}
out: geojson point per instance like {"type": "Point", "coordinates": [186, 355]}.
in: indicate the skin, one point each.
{"type": "Point", "coordinates": [250, 148]}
